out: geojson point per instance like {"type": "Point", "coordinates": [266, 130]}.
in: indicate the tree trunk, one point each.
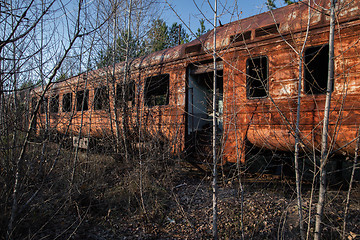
{"type": "Point", "coordinates": [124, 85]}
{"type": "Point", "coordinates": [214, 184]}
{"type": "Point", "coordinates": [117, 127]}
{"type": "Point", "coordinates": [350, 183]}
{"type": "Point", "coordinates": [14, 207]}
{"type": "Point", "coordinates": [297, 149]}
{"type": "Point", "coordinates": [324, 140]}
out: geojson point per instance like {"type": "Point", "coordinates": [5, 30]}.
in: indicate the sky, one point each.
{"type": "Point", "coordinates": [228, 11]}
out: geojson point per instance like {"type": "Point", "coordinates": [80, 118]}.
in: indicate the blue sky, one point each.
{"type": "Point", "coordinates": [228, 11]}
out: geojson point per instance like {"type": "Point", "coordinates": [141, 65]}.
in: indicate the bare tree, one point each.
{"type": "Point", "coordinates": [147, 133]}
{"type": "Point", "coordinates": [28, 21]}
{"type": "Point", "coordinates": [214, 132]}
{"type": "Point", "coordinates": [324, 140]}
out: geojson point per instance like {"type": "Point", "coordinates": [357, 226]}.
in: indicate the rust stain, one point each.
{"type": "Point", "coordinates": [265, 121]}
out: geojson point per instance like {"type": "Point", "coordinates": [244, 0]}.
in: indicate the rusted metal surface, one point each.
{"type": "Point", "coordinates": [266, 121]}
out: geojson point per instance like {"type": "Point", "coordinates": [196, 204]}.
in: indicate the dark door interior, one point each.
{"type": "Point", "coordinates": [200, 113]}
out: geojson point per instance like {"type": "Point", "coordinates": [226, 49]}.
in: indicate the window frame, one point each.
{"type": "Point", "coordinates": [150, 95]}
{"type": "Point", "coordinates": [54, 104]}
{"type": "Point", "coordinates": [250, 79]}
{"type": "Point", "coordinates": [85, 100]}
{"type": "Point", "coordinates": [44, 105]}
{"type": "Point", "coordinates": [66, 107]}
{"type": "Point", "coordinates": [101, 98]}
{"type": "Point", "coordinates": [33, 104]}
{"type": "Point", "coordinates": [309, 87]}
{"type": "Point", "coordinates": [130, 93]}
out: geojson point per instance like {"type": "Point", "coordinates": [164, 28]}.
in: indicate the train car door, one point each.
{"type": "Point", "coordinates": [199, 115]}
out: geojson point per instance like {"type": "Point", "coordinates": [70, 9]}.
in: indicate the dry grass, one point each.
{"type": "Point", "coordinates": [149, 196]}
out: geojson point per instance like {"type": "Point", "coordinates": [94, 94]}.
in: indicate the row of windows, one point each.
{"type": "Point", "coordinates": [315, 73]}
{"type": "Point", "coordinates": [156, 93]}
{"type": "Point", "coordinates": [157, 87]}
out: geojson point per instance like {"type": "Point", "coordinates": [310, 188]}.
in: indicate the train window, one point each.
{"type": "Point", "coordinates": [33, 104]}
{"type": "Point", "coordinates": [257, 77]}
{"type": "Point", "coordinates": [193, 49]}
{"type": "Point", "coordinates": [157, 90]}
{"type": "Point", "coordinates": [240, 37]}
{"type": "Point", "coordinates": [54, 104]}
{"type": "Point", "coordinates": [316, 61]}
{"type": "Point", "coordinates": [82, 99]}
{"type": "Point", "coordinates": [118, 95]}
{"type": "Point", "coordinates": [101, 98]}
{"type": "Point", "coordinates": [129, 94]}
{"type": "Point", "coordinates": [268, 30]}
{"type": "Point", "coordinates": [67, 102]}
{"type": "Point", "coordinates": [43, 106]}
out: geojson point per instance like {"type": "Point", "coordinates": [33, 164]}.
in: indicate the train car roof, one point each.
{"type": "Point", "coordinates": [265, 26]}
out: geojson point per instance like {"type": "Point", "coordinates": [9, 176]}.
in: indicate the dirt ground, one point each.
{"type": "Point", "coordinates": [259, 211]}
{"type": "Point", "coordinates": [109, 199]}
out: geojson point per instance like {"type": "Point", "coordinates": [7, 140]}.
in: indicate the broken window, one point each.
{"type": "Point", "coordinates": [43, 106]}
{"type": "Point", "coordinates": [257, 77]}
{"type": "Point", "coordinates": [268, 30]}
{"type": "Point", "coordinates": [54, 104]}
{"type": "Point", "coordinates": [129, 91]}
{"type": "Point", "coordinates": [101, 98]}
{"type": "Point", "coordinates": [67, 102]}
{"type": "Point", "coordinates": [240, 37]}
{"type": "Point", "coordinates": [157, 90]}
{"type": "Point", "coordinates": [316, 62]}
{"type": "Point", "coordinates": [193, 49]}
{"type": "Point", "coordinates": [82, 99]}
{"type": "Point", "coordinates": [33, 104]}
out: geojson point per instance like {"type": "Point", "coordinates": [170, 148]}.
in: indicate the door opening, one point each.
{"type": "Point", "coordinates": [200, 111]}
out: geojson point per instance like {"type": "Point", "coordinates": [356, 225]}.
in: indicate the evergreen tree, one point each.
{"type": "Point", "coordinates": [158, 37]}
{"type": "Point", "coordinates": [136, 49]}
{"type": "Point", "coordinates": [201, 30]}
{"type": "Point", "coordinates": [62, 76]}
{"type": "Point", "coordinates": [271, 4]}
{"type": "Point", "coordinates": [174, 35]}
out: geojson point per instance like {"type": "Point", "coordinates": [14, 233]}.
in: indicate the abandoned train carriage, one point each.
{"type": "Point", "coordinates": [257, 85]}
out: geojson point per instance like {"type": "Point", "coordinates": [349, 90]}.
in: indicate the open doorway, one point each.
{"type": "Point", "coordinates": [200, 110]}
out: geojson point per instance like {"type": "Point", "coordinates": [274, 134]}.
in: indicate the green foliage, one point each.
{"type": "Point", "coordinates": [201, 30]}
{"type": "Point", "coordinates": [136, 49]}
{"type": "Point", "coordinates": [288, 2]}
{"type": "Point", "coordinates": [161, 36]}
{"type": "Point", "coordinates": [62, 76]}
{"type": "Point", "coordinates": [26, 84]}
{"type": "Point", "coordinates": [174, 35]}
{"type": "Point", "coordinates": [270, 4]}
{"type": "Point", "coordinates": [158, 36]}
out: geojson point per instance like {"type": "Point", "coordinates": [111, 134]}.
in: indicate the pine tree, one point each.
{"type": "Point", "coordinates": [158, 38]}
{"type": "Point", "coordinates": [136, 49]}
{"type": "Point", "coordinates": [201, 30]}
{"type": "Point", "coordinates": [177, 35]}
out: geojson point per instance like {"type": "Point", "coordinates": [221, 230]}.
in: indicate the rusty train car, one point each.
{"type": "Point", "coordinates": [257, 86]}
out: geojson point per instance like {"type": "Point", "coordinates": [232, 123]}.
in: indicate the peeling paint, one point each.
{"type": "Point", "coordinates": [263, 121]}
